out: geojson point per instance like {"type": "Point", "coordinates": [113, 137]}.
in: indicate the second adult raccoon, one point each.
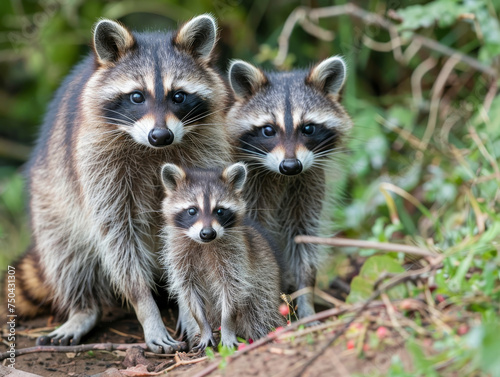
{"type": "Point", "coordinates": [285, 126]}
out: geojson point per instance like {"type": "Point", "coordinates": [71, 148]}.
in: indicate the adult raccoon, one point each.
{"type": "Point", "coordinates": [138, 101]}
{"type": "Point", "coordinates": [220, 265]}
{"type": "Point", "coordinates": [285, 126]}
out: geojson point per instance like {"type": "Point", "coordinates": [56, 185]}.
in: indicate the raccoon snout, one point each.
{"type": "Point", "coordinates": [160, 137]}
{"type": "Point", "coordinates": [208, 234]}
{"type": "Point", "coordinates": [290, 166]}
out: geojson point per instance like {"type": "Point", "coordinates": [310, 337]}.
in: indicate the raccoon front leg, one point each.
{"type": "Point", "coordinates": [228, 325]}
{"type": "Point", "coordinates": [182, 319]}
{"type": "Point", "coordinates": [197, 310]}
{"type": "Point", "coordinates": [80, 322]}
{"type": "Point", "coordinates": [129, 263]}
{"type": "Point", "coordinates": [156, 336]}
{"type": "Point", "coordinates": [304, 220]}
{"type": "Point", "coordinates": [306, 278]}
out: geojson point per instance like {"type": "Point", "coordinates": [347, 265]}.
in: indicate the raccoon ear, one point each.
{"type": "Point", "coordinates": [328, 76]}
{"type": "Point", "coordinates": [171, 176]}
{"type": "Point", "coordinates": [198, 37]}
{"type": "Point", "coordinates": [111, 41]}
{"type": "Point", "coordinates": [235, 175]}
{"type": "Point", "coordinates": [245, 79]}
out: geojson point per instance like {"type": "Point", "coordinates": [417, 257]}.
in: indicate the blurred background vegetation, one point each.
{"type": "Point", "coordinates": [422, 164]}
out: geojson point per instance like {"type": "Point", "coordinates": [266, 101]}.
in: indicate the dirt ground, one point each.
{"type": "Point", "coordinates": [279, 358]}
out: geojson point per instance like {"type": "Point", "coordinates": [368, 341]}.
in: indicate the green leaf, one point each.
{"type": "Point", "coordinates": [375, 267]}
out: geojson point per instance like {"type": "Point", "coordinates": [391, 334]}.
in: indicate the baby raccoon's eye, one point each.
{"type": "Point", "coordinates": [179, 97]}
{"type": "Point", "coordinates": [268, 131]}
{"type": "Point", "coordinates": [220, 211]}
{"type": "Point", "coordinates": [137, 97]}
{"type": "Point", "coordinates": [192, 211]}
{"type": "Point", "coordinates": [308, 129]}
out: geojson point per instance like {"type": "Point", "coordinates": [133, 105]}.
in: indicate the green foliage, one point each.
{"type": "Point", "coordinates": [14, 235]}
{"type": "Point", "coordinates": [485, 342]}
{"type": "Point", "coordinates": [373, 269]}
{"type": "Point", "coordinates": [225, 352]}
{"type": "Point", "coordinates": [446, 13]}
{"type": "Point", "coordinates": [209, 352]}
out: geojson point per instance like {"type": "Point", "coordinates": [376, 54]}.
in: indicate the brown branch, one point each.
{"type": "Point", "coordinates": [350, 9]}
{"type": "Point", "coordinates": [437, 90]}
{"type": "Point", "coordinates": [79, 348]}
{"type": "Point", "coordinates": [179, 362]}
{"type": "Point", "coordinates": [365, 245]}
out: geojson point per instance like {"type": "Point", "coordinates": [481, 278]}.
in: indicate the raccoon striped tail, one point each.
{"type": "Point", "coordinates": [30, 291]}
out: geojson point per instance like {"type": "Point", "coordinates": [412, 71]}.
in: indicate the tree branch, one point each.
{"type": "Point", "coordinates": [366, 245]}
{"type": "Point", "coordinates": [79, 348]}
{"type": "Point", "coordinates": [301, 13]}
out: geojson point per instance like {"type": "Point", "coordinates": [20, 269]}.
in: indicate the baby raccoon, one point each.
{"type": "Point", "coordinates": [220, 265]}
{"type": "Point", "coordinates": [138, 101]}
{"type": "Point", "coordinates": [285, 126]}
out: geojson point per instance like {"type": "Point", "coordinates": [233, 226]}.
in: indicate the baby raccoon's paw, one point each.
{"type": "Point", "coordinates": [206, 341]}
{"type": "Point", "coordinates": [229, 341]}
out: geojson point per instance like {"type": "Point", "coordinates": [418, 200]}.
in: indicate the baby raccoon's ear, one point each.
{"type": "Point", "coordinates": [245, 79]}
{"type": "Point", "coordinates": [111, 41]}
{"type": "Point", "coordinates": [198, 37]}
{"type": "Point", "coordinates": [328, 76]}
{"type": "Point", "coordinates": [171, 176]}
{"type": "Point", "coordinates": [235, 175]}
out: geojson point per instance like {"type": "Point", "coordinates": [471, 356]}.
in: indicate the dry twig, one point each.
{"type": "Point", "coordinates": [365, 245]}
{"type": "Point", "coordinates": [79, 348]}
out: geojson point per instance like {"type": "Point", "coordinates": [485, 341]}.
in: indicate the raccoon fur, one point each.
{"type": "Point", "coordinates": [285, 126]}
{"type": "Point", "coordinates": [220, 265]}
{"type": "Point", "coordinates": [138, 101]}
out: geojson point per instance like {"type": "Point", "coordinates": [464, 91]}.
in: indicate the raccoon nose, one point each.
{"type": "Point", "coordinates": [290, 166]}
{"type": "Point", "coordinates": [160, 137]}
{"type": "Point", "coordinates": [208, 234]}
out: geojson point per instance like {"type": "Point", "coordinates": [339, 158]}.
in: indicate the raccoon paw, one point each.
{"type": "Point", "coordinates": [229, 341]}
{"type": "Point", "coordinates": [232, 344]}
{"type": "Point", "coordinates": [162, 342]}
{"type": "Point", "coordinates": [57, 338]}
{"type": "Point", "coordinates": [72, 331]}
{"type": "Point", "coordinates": [206, 341]}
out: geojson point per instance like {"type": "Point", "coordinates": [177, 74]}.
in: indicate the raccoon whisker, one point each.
{"type": "Point", "coordinates": [189, 126]}
{"type": "Point", "coordinates": [190, 111]}
{"type": "Point", "coordinates": [119, 113]}
{"type": "Point", "coordinates": [254, 155]}
{"type": "Point", "coordinates": [116, 119]}
{"type": "Point", "coordinates": [203, 115]}
{"type": "Point", "coordinates": [324, 142]}
{"type": "Point", "coordinates": [330, 151]}
{"type": "Point", "coordinates": [254, 147]}
{"type": "Point", "coordinates": [92, 135]}
{"type": "Point", "coordinates": [91, 140]}
{"type": "Point", "coordinates": [110, 120]}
